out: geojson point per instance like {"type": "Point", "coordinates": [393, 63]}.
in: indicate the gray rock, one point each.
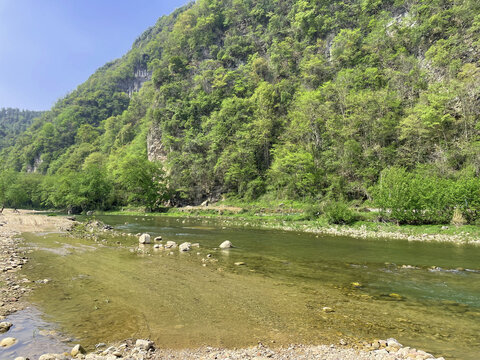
{"type": "Point", "coordinates": [186, 246]}
{"type": "Point", "coordinates": [77, 349]}
{"type": "Point", "coordinates": [5, 326]}
{"type": "Point", "coordinates": [49, 357]}
{"type": "Point", "coordinates": [226, 245]}
{"type": "Point", "coordinates": [144, 239]}
{"type": "Point", "coordinates": [170, 245]}
{"type": "Point", "coordinates": [143, 344]}
{"type": "Point", "coordinates": [394, 343]}
{"type": "Point", "coordinates": [21, 358]}
{"type": "Point", "coordinates": [7, 342]}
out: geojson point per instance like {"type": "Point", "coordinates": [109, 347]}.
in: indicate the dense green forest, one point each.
{"type": "Point", "coordinates": [316, 100]}
{"type": "Point", "coordinates": [13, 122]}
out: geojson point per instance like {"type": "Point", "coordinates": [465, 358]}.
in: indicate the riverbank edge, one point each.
{"type": "Point", "coordinates": [362, 230]}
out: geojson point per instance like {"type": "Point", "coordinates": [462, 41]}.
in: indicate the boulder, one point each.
{"type": "Point", "coordinates": [170, 245]}
{"type": "Point", "coordinates": [5, 326]}
{"type": "Point", "coordinates": [7, 342]}
{"type": "Point", "coordinates": [158, 238]}
{"type": "Point", "coordinates": [144, 239]}
{"type": "Point", "coordinates": [186, 246]}
{"type": "Point", "coordinates": [143, 344]}
{"type": "Point", "coordinates": [77, 349]}
{"type": "Point", "coordinates": [226, 245]}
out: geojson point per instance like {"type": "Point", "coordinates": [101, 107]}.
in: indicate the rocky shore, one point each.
{"type": "Point", "coordinates": [12, 258]}
{"type": "Point", "coordinates": [13, 288]}
{"type": "Point", "coordinates": [142, 349]}
{"type": "Point", "coordinates": [361, 232]}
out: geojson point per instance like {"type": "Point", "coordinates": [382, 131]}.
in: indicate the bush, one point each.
{"type": "Point", "coordinates": [421, 198]}
{"type": "Point", "coordinates": [313, 211]}
{"type": "Point", "coordinates": [338, 212]}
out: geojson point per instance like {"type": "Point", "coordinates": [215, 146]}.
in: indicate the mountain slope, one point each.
{"type": "Point", "coordinates": [13, 122]}
{"type": "Point", "coordinates": [293, 99]}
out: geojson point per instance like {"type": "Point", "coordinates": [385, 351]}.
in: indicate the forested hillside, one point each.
{"type": "Point", "coordinates": [13, 122]}
{"type": "Point", "coordinates": [289, 99]}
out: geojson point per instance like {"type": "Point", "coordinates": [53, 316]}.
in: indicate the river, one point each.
{"type": "Point", "coordinates": [426, 295]}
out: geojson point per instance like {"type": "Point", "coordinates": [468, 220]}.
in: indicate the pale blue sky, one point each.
{"type": "Point", "coordinates": [49, 47]}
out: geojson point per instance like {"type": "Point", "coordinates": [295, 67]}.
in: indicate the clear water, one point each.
{"type": "Point", "coordinates": [103, 291]}
{"type": "Point", "coordinates": [34, 335]}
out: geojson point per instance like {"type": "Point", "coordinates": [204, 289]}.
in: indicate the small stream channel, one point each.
{"type": "Point", "coordinates": [426, 295]}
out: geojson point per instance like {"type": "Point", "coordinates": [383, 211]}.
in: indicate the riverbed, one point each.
{"type": "Point", "coordinates": [274, 287]}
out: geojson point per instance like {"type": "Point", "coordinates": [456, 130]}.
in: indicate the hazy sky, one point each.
{"type": "Point", "coordinates": [49, 47]}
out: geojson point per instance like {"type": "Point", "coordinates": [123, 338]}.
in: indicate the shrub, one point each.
{"type": "Point", "coordinates": [313, 211]}
{"type": "Point", "coordinates": [338, 212]}
{"type": "Point", "coordinates": [421, 198]}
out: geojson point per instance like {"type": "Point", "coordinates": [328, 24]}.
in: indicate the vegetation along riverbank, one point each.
{"type": "Point", "coordinates": [295, 216]}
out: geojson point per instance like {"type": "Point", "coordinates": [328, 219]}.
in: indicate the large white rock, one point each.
{"type": "Point", "coordinates": [226, 245]}
{"type": "Point", "coordinates": [143, 344]}
{"type": "Point", "coordinates": [144, 239]}
{"type": "Point", "coordinates": [9, 341]}
{"type": "Point", "coordinates": [186, 246]}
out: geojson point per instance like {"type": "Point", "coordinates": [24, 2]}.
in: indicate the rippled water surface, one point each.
{"type": "Point", "coordinates": [104, 291]}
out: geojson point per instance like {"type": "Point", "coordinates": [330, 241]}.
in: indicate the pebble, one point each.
{"type": "Point", "coordinates": [327, 309]}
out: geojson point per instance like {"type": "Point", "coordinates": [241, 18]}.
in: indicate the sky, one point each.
{"type": "Point", "coordinates": [49, 47]}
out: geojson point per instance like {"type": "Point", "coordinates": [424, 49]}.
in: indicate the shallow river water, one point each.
{"type": "Point", "coordinates": [107, 291]}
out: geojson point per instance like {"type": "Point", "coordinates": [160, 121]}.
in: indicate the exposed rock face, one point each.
{"type": "Point", "coordinates": [155, 149]}
{"type": "Point", "coordinates": [141, 75]}
{"type": "Point", "coordinates": [31, 168]}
